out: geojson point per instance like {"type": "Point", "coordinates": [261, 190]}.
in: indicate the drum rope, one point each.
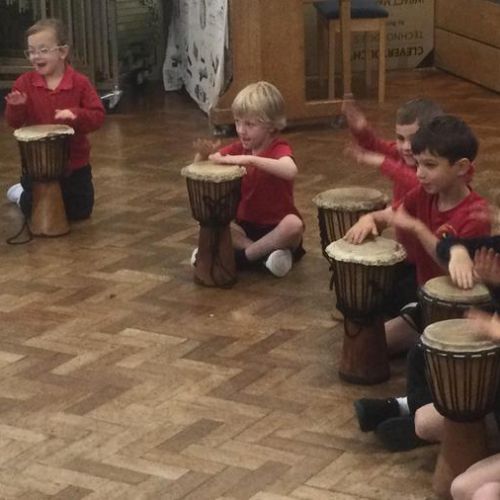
{"type": "Point", "coordinates": [217, 210]}
{"type": "Point", "coordinates": [464, 385]}
{"type": "Point", "coordinates": [360, 314]}
{"type": "Point", "coordinates": [12, 239]}
{"type": "Point", "coordinates": [217, 261]}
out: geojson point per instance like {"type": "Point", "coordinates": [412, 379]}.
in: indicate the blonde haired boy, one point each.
{"type": "Point", "coordinates": [268, 228]}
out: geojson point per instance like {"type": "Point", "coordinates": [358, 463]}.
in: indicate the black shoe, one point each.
{"type": "Point", "coordinates": [398, 434]}
{"type": "Point", "coordinates": [372, 412]}
{"type": "Point", "coordinates": [242, 262]}
{"type": "Point", "coordinates": [412, 314]}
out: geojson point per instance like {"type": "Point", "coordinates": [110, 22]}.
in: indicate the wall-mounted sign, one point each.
{"type": "Point", "coordinates": [410, 35]}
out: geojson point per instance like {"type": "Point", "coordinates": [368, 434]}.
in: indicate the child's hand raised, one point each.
{"type": "Point", "coordinates": [487, 323]}
{"type": "Point", "coordinates": [363, 156]}
{"type": "Point", "coordinates": [461, 267]}
{"type": "Point", "coordinates": [204, 148]}
{"type": "Point", "coordinates": [364, 228]}
{"type": "Point", "coordinates": [487, 266]}
{"type": "Point", "coordinates": [16, 98]}
{"type": "Point", "coordinates": [355, 118]}
{"type": "Point", "coordinates": [64, 114]}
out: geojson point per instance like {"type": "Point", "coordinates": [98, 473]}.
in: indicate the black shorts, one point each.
{"type": "Point", "coordinates": [405, 289]}
{"type": "Point", "coordinates": [255, 232]}
{"type": "Point", "coordinates": [77, 192]}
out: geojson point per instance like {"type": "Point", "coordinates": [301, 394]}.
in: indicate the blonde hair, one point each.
{"type": "Point", "coordinates": [50, 23]}
{"type": "Point", "coordinates": [263, 101]}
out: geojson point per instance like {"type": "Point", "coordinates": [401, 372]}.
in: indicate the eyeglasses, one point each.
{"type": "Point", "coordinates": [44, 51]}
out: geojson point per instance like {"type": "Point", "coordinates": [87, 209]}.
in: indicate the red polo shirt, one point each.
{"type": "Point", "coordinates": [74, 92]}
{"type": "Point", "coordinates": [460, 221]}
{"type": "Point", "coordinates": [265, 198]}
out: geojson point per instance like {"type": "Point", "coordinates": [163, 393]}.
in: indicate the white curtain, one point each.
{"type": "Point", "coordinates": [196, 48]}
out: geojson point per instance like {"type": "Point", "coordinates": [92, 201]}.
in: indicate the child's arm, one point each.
{"type": "Point", "coordinates": [86, 117]}
{"type": "Point", "coordinates": [459, 252]}
{"type": "Point", "coordinates": [364, 156]}
{"type": "Point", "coordinates": [487, 266]}
{"type": "Point", "coordinates": [364, 135]}
{"type": "Point", "coordinates": [487, 323]}
{"type": "Point", "coordinates": [470, 244]}
{"type": "Point", "coordinates": [284, 167]}
{"type": "Point", "coordinates": [204, 148]}
{"type": "Point", "coordinates": [461, 267]}
{"type": "Point", "coordinates": [371, 224]}
{"type": "Point", "coordinates": [403, 220]}
{"type": "Point", "coordinates": [404, 175]}
{"type": "Point", "coordinates": [16, 105]}
{"type": "Point", "coordinates": [487, 269]}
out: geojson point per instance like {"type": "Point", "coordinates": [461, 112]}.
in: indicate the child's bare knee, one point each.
{"type": "Point", "coordinates": [461, 488]}
{"type": "Point", "coordinates": [420, 425]}
{"type": "Point", "coordinates": [428, 423]}
{"type": "Point", "coordinates": [293, 225]}
{"type": "Point", "coordinates": [489, 491]}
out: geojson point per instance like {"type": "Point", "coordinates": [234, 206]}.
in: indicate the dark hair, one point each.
{"type": "Point", "coordinates": [418, 110]}
{"type": "Point", "coordinates": [446, 136]}
{"type": "Point", "coordinates": [52, 24]}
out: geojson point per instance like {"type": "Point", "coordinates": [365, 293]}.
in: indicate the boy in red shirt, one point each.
{"type": "Point", "coordinates": [394, 158]}
{"type": "Point", "coordinates": [268, 227]}
{"type": "Point", "coordinates": [396, 161]}
{"type": "Point", "coordinates": [442, 206]}
{"type": "Point", "coordinates": [55, 93]}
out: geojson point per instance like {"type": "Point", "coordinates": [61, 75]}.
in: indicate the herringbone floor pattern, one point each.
{"type": "Point", "coordinates": [122, 379]}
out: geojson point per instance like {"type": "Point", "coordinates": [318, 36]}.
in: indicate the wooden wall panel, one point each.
{"type": "Point", "coordinates": [475, 19]}
{"type": "Point", "coordinates": [468, 58]}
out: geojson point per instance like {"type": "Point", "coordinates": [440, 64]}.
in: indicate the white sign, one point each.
{"type": "Point", "coordinates": [410, 35]}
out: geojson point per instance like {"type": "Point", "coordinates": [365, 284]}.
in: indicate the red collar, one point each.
{"type": "Point", "coordinates": [65, 84]}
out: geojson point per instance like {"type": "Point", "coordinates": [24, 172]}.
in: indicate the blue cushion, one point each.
{"type": "Point", "coordinates": [360, 9]}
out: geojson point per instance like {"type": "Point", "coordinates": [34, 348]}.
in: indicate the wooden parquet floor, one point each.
{"type": "Point", "coordinates": [122, 379]}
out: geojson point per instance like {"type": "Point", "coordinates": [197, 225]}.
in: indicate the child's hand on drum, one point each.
{"type": "Point", "coordinates": [204, 148]}
{"type": "Point", "coordinates": [16, 98]}
{"type": "Point", "coordinates": [487, 266]}
{"type": "Point", "coordinates": [461, 267]}
{"type": "Point", "coordinates": [488, 323]}
{"type": "Point", "coordinates": [241, 160]}
{"type": "Point", "coordinates": [355, 118]}
{"type": "Point", "coordinates": [65, 114]}
{"type": "Point", "coordinates": [364, 228]}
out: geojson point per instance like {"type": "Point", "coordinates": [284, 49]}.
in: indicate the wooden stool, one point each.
{"type": "Point", "coordinates": [366, 16]}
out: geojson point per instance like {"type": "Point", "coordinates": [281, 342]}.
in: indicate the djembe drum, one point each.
{"type": "Point", "coordinates": [214, 193]}
{"type": "Point", "coordinates": [339, 209]}
{"type": "Point", "coordinates": [441, 299]}
{"type": "Point", "coordinates": [463, 373]}
{"type": "Point", "coordinates": [364, 277]}
{"type": "Point", "coordinates": [44, 157]}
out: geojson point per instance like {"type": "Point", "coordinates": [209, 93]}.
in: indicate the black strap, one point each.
{"type": "Point", "coordinates": [25, 228]}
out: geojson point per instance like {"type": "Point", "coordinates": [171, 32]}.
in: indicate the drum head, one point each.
{"type": "Point", "coordinates": [457, 336]}
{"type": "Point", "coordinates": [442, 288]}
{"type": "Point", "coordinates": [39, 132]}
{"type": "Point", "coordinates": [212, 172]}
{"type": "Point", "coordinates": [372, 252]}
{"type": "Point", "coordinates": [351, 199]}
